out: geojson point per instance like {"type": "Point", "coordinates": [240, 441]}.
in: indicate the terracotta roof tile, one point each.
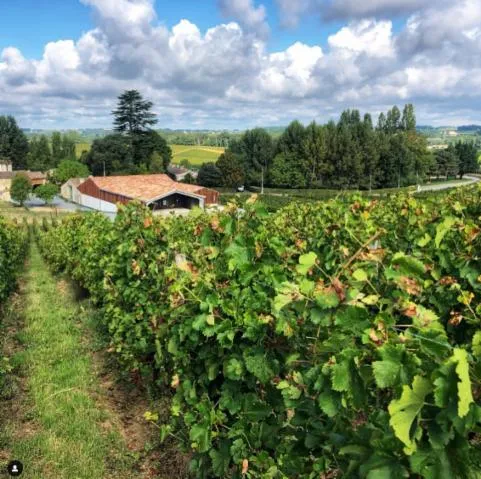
{"type": "Point", "coordinates": [143, 187]}
{"type": "Point", "coordinates": [33, 175]}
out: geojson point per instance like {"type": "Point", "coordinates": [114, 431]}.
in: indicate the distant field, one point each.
{"type": "Point", "coordinates": [81, 147]}
{"type": "Point", "coordinates": [8, 210]}
{"type": "Point", "coordinates": [197, 155]}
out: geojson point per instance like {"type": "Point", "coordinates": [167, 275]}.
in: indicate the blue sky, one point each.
{"type": "Point", "coordinates": [63, 62]}
{"type": "Point", "coordinates": [44, 21]}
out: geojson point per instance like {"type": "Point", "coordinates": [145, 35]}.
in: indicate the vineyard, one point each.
{"type": "Point", "coordinates": [325, 340]}
{"type": "Point", "coordinates": [13, 248]}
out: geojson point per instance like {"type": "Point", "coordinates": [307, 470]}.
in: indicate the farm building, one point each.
{"type": "Point", "coordinates": [37, 178]}
{"type": "Point", "coordinates": [69, 190]}
{"type": "Point", "coordinates": [179, 174]}
{"type": "Point", "coordinates": [159, 192]}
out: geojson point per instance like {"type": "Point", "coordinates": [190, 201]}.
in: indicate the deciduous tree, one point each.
{"type": "Point", "coordinates": [20, 188]}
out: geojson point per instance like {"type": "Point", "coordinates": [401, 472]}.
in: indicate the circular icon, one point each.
{"type": "Point", "coordinates": [15, 468]}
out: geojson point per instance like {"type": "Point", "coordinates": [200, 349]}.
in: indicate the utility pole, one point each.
{"type": "Point", "coordinates": [104, 168]}
{"type": "Point", "coordinates": [262, 181]}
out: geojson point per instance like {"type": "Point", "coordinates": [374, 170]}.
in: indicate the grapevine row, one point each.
{"type": "Point", "coordinates": [325, 340]}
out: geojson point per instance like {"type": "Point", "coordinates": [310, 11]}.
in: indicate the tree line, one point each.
{"type": "Point", "coordinates": [350, 154]}
{"type": "Point", "coordinates": [39, 153]}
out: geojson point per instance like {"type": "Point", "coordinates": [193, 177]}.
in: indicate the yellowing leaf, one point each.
{"type": "Point", "coordinates": [150, 416]}
{"type": "Point", "coordinates": [477, 343]}
{"type": "Point", "coordinates": [359, 275]}
{"type": "Point", "coordinates": [306, 262]}
{"type": "Point", "coordinates": [370, 300]}
{"type": "Point", "coordinates": [443, 229]}
{"type": "Point", "coordinates": [465, 395]}
{"type": "Point", "coordinates": [403, 411]}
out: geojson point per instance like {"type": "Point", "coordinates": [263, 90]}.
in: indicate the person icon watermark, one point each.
{"type": "Point", "coordinates": [15, 468]}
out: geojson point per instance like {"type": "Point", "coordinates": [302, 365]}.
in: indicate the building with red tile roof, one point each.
{"type": "Point", "coordinates": [157, 191]}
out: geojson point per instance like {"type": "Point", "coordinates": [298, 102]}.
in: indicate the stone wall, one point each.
{"type": "Point", "coordinates": [5, 189]}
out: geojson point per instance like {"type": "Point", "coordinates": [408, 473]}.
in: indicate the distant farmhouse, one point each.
{"type": "Point", "coordinates": [158, 192]}
{"type": "Point", "coordinates": [179, 174]}
{"type": "Point", "coordinates": [37, 178]}
{"type": "Point", "coordinates": [442, 146]}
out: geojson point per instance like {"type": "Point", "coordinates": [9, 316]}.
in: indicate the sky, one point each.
{"type": "Point", "coordinates": [235, 64]}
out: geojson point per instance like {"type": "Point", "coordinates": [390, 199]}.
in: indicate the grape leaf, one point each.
{"type": "Point", "coordinates": [329, 403]}
{"type": "Point", "coordinates": [341, 376]}
{"type": "Point", "coordinates": [465, 395]}
{"type": "Point", "coordinates": [477, 343]}
{"type": "Point", "coordinates": [403, 411]}
{"type": "Point", "coordinates": [360, 275]}
{"type": "Point", "coordinates": [259, 367]}
{"type": "Point", "coordinates": [234, 369]}
{"type": "Point", "coordinates": [306, 262]}
{"type": "Point", "coordinates": [386, 373]}
{"type": "Point", "coordinates": [200, 434]}
{"type": "Point", "coordinates": [443, 228]}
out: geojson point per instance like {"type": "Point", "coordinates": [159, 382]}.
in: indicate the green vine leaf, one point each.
{"type": "Point", "coordinates": [465, 395]}
{"type": "Point", "coordinates": [306, 262]}
{"type": "Point", "coordinates": [403, 411]}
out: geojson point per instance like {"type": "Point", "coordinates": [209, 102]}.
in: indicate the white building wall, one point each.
{"type": "Point", "coordinates": [96, 204]}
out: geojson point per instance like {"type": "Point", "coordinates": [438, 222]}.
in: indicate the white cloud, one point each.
{"type": "Point", "coordinates": [366, 36]}
{"type": "Point", "coordinates": [249, 16]}
{"type": "Point", "coordinates": [226, 76]}
{"type": "Point", "coordinates": [291, 11]}
{"type": "Point", "coordinates": [132, 18]}
{"type": "Point", "coordinates": [341, 9]}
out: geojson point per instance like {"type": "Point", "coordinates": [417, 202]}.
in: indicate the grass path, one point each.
{"type": "Point", "coordinates": [58, 432]}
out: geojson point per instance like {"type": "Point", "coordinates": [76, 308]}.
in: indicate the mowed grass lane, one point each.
{"type": "Point", "coordinates": [67, 440]}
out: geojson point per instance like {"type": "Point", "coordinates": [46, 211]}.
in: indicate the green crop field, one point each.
{"type": "Point", "coordinates": [81, 147]}
{"type": "Point", "coordinates": [197, 155]}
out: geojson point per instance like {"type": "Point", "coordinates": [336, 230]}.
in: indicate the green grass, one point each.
{"type": "Point", "coordinates": [196, 155]}
{"type": "Point", "coordinates": [66, 440]}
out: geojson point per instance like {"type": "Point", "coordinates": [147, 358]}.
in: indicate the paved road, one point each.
{"type": "Point", "coordinates": [450, 184]}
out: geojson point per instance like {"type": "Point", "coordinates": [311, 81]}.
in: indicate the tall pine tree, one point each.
{"type": "Point", "coordinates": [133, 114]}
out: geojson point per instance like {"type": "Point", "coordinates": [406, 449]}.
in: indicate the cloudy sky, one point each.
{"type": "Point", "coordinates": [239, 63]}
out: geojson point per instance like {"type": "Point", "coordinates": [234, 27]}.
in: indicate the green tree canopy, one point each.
{"type": "Point", "coordinates": [20, 188]}
{"type": "Point", "coordinates": [256, 148]}
{"type": "Point", "coordinates": [468, 157]}
{"type": "Point", "coordinates": [13, 143]}
{"type": "Point", "coordinates": [285, 171]}
{"type": "Point", "coordinates": [209, 175]}
{"type": "Point", "coordinates": [40, 156]}
{"type": "Point", "coordinates": [447, 162]}
{"type": "Point", "coordinates": [151, 152]}
{"type": "Point", "coordinates": [69, 169]}
{"type": "Point", "coordinates": [112, 154]}
{"type": "Point", "coordinates": [46, 192]}
{"type": "Point", "coordinates": [232, 169]}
